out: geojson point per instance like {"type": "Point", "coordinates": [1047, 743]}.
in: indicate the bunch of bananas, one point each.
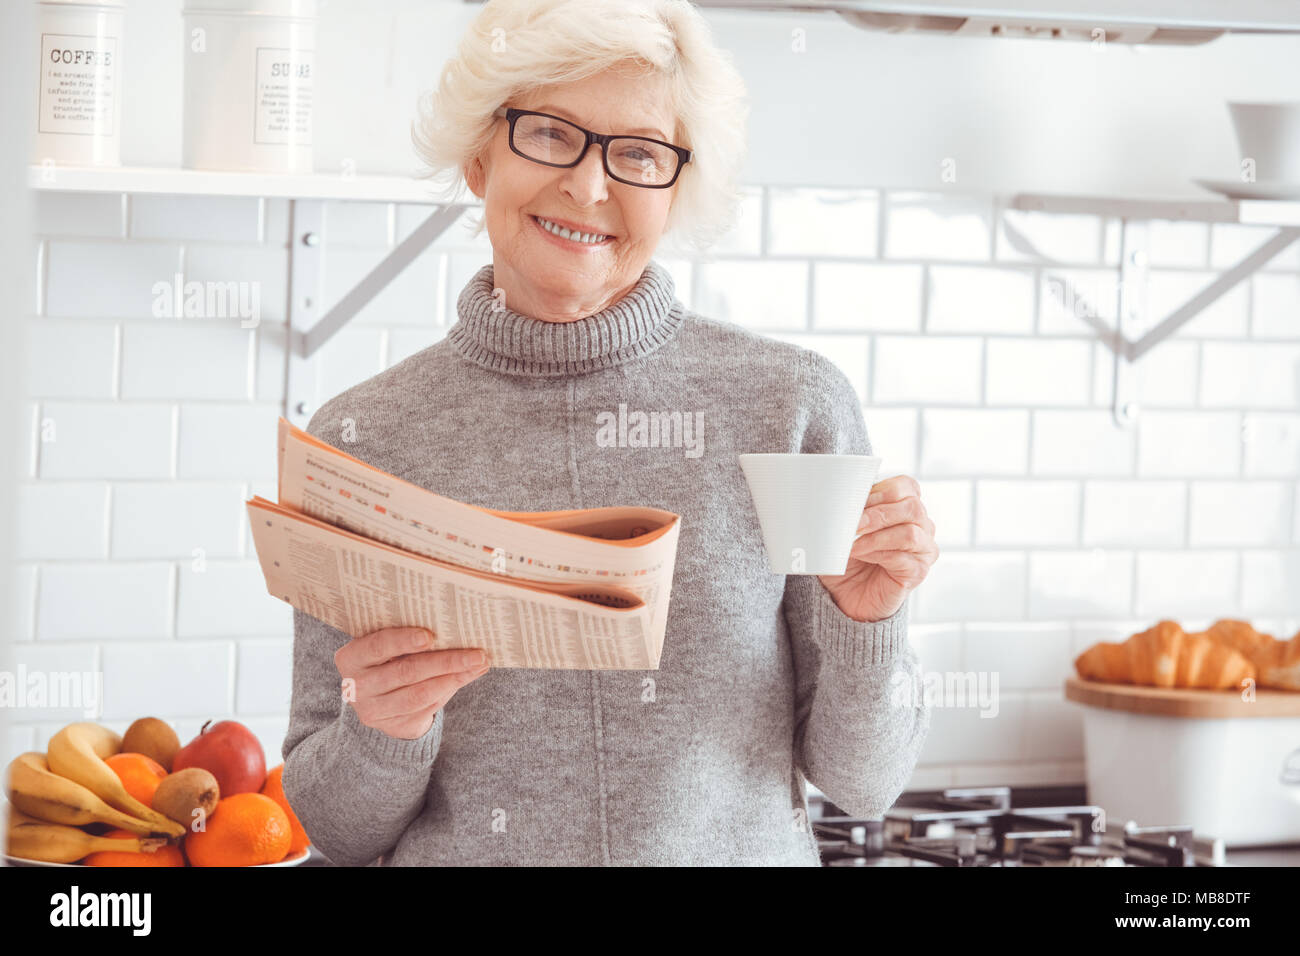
{"type": "Point", "coordinates": [55, 793]}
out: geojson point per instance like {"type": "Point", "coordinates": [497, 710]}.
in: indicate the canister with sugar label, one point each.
{"type": "Point", "coordinates": [249, 71]}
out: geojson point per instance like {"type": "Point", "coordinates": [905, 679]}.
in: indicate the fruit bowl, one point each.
{"type": "Point", "coordinates": [292, 861]}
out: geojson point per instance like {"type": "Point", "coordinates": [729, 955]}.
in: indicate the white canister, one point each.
{"type": "Point", "coordinates": [249, 68]}
{"type": "Point", "coordinates": [79, 103]}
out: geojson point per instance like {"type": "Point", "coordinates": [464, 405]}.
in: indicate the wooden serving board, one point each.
{"type": "Point", "coordinates": [1182, 701]}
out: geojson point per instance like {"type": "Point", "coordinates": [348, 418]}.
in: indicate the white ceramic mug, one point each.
{"type": "Point", "coordinates": [809, 507]}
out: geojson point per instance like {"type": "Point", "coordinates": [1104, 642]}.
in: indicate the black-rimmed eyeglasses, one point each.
{"type": "Point", "coordinates": [554, 141]}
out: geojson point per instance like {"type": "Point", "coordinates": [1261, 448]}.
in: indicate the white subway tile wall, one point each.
{"type": "Point", "coordinates": [156, 374]}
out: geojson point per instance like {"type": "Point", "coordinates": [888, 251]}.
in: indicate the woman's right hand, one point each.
{"type": "Point", "coordinates": [398, 685]}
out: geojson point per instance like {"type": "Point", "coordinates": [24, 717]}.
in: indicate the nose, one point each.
{"type": "Point", "coordinates": [585, 183]}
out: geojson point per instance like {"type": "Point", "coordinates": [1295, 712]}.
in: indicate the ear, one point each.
{"type": "Point", "coordinates": [474, 176]}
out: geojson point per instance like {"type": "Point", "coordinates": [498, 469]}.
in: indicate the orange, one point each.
{"type": "Point", "coordinates": [246, 829]}
{"type": "Point", "coordinates": [139, 774]}
{"type": "Point", "coordinates": [274, 789]}
{"type": "Point", "coordinates": [163, 856]}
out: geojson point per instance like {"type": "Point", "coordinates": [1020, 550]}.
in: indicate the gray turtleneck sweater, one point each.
{"type": "Point", "coordinates": [763, 680]}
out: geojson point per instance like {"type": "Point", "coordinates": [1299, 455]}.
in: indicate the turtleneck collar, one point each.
{"type": "Point", "coordinates": [496, 337]}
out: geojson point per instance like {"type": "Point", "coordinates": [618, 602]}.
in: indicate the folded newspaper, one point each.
{"type": "Point", "coordinates": [361, 549]}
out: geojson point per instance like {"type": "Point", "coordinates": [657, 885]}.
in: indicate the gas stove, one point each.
{"type": "Point", "coordinates": [979, 826]}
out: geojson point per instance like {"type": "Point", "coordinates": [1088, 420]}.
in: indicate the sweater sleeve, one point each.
{"type": "Point", "coordinates": [858, 728]}
{"type": "Point", "coordinates": [354, 788]}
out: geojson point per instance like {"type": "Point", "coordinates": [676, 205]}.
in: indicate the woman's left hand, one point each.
{"type": "Point", "coordinates": [891, 558]}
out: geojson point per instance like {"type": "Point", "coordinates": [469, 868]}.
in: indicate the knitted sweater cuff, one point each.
{"type": "Point", "coordinates": [380, 746]}
{"type": "Point", "coordinates": [859, 644]}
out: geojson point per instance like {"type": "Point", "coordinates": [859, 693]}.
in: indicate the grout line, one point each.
{"type": "Point", "coordinates": [250, 369]}
{"type": "Point", "coordinates": [116, 388]}
{"type": "Point", "coordinates": [916, 441]}
{"type": "Point", "coordinates": [42, 276]}
{"type": "Point", "coordinates": [870, 386]}
{"type": "Point", "coordinates": [1079, 534]}
{"type": "Point", "coordinates": [173, 596]}
{"type": "Point", "coordinates": [1133, 581]}
{"type": "Point", "coordinates": [882, 218]}
{"type": "Point", "coordinates": [37, 440]}
{"type": "Point", "coordinates": [175, 440]}
{"type": "Point", "coordinates": [233, 696]}
{"type": "Point", "coordinates": [984, 373]}
{"type": "Point", "coordinates": [108, 522]}
{"type": "Point", "coordinates": [926, 279]}
{"type": "Point", "coordinates": [1029, 445]}
{"type": "Point", "coordinates": [1026, 582]}
{"type": "Point", "coordinates": [127, 213]}
{"type": "Point", "coordinates": [34, 598]}
{"type": "Point", "coordinates": [974, 509]}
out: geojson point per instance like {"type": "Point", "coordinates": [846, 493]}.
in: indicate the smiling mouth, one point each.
{"type": "Point", "coordinates": [560, 232]}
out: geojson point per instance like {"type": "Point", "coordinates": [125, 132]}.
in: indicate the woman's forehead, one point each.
{"type": "Point", "coordinates": [610, 101]}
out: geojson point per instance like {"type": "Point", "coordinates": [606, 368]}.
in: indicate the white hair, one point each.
{"type": "Point", "coordinates": [558, 41]}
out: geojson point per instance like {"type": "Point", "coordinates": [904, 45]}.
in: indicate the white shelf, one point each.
{"type": "Point", "coordinates": [202, 182]}
{"type": "Point", "coordinates": [1263, 212]}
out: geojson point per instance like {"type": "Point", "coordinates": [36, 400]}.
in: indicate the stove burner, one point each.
{"type": "Point", "coordinates": [978, 826]}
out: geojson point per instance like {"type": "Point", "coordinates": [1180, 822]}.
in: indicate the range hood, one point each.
{"type": "Point", "coordinates": [1176, 22]}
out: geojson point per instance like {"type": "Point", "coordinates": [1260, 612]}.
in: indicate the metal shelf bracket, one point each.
{"type": "Point", "coordinates": [1130, 309]}
{"type": "Point", "coordinates": [307, 329]}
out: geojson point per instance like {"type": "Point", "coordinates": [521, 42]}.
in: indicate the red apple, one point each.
{"type": "Point", "coordinates": [230, 752]}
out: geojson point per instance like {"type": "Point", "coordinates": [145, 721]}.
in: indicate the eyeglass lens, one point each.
{"type": "Point", "coordinates": [555, 141]}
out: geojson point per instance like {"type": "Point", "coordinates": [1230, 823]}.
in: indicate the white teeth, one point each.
{"type": "Point", "coordinates": [587, 237]}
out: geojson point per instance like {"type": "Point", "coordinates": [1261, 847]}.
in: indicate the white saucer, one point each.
{"type": "Point", "coordinates": [1236, 189]}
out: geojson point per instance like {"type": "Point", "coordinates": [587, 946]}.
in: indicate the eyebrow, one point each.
{"type": "Point", "coordinates": [658, 134]}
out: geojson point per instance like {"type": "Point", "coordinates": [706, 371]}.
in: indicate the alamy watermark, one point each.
{"type": "Point", "coordinates": [208, 300]}
{"type": "Point", "coordinates": [947, 689]}
{"type": "Point", "coordinates": [60, 690]}
{"type": "Point", "coordinates": [638, 429]}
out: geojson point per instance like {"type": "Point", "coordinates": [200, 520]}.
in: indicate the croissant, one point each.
{"type": "Point", "coordinates": [1166, 656]}
{"type": "Point", "coordinates": [1277, 662]}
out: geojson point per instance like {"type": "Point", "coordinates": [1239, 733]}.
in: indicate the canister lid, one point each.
{"type": "Point", "coordinates": [255, 8]}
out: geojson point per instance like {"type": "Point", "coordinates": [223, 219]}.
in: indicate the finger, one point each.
{"type": "Point", "coordinates": [877, 516]}
{"type": "Point", "coordinates": [902, 565]}
{"type": "Point", "coordinates": [411, 699]}
{"type": "Point", "coordinates": [899, 537]}
{"type": "Point", "coordinates": [413, 668]}
{"type": "Point", "coordinates": [382, 645]}
{"type": "Point", "coordinates": [894, 488]}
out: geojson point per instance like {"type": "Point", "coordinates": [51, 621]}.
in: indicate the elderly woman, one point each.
{"type": "Point", "coordinates": [590, 129]}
